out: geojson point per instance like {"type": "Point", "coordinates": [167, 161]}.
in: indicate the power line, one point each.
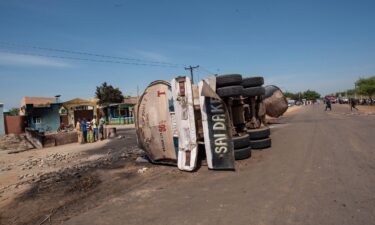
{"type": "Point", "coordinates": [10, 44]}
{"type": "Point", "coordinates": [114, 59]}
{"type": "Point", "coordinates": [206, 70]}
{"type": "Point", "coordinates": [89, 60]}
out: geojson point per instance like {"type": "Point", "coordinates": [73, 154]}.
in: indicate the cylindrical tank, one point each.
{"type": "Point", "coordinates": [154, 123]}
{"type": "Point", "coordinates": [275, 101]}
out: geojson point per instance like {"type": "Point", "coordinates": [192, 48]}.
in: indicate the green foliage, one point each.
{"type": "Point", "coordinates": [290, 95]}
{"type": "Point", "coordinates": [366, 86]}
{"type": "Point", "coordinates": [14, 112]}
{"type": "Point", "coordinates": [309, 95]}
{"type": "Point", "coordinates": [108, 94]}
{"type": "Point", "coordinates": [348, 93]}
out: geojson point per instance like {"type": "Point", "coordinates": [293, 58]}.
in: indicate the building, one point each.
{"type": "Point", "coordinates": [2, 127]}
{"type": "Point", "coordinates": [78, 109]}
{"type": "Point", "coordinates": [41, 113]}
{"type": "Point", "coordinates": [120, 113]}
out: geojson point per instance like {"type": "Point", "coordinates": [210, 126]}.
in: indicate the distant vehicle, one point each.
{"type": "Point", "coordinates": [291, 103]}
{"type": "Point", "coordinates": [343, 100]}
{"type": "Point", "coordinates": [333, 99]}
{"type": "Point", "coordinates": [299, 103]}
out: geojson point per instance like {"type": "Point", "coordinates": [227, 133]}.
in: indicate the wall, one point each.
{"type": "Point", "coordinates": [41, 140]}
{"type": "Point", "coordinates": [2, 127]}
{"type": "Point", "coordinates": [83, 114]}
{"type": "Point", "coordinates": [14, 124]}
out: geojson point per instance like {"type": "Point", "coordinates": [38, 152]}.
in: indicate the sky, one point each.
{"type": "Point", "coordinates": [50, 47]}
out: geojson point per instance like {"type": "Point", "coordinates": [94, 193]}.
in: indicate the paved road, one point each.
{"type": "Point", "coordinates": [320, 170]}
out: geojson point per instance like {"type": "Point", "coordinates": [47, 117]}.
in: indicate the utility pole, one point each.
{"type": "Point", "coordinates": [191, 68]}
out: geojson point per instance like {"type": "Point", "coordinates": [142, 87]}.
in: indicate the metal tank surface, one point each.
{"type": "Point", "coordinates": [275, 102]}
{"type": "Point", "coordinates": [156, 125]}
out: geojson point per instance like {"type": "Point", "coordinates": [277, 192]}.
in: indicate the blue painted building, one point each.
{"type": "Point", "coordinates": [2, 127]}
{"type": "Point", "coordinates": [42, 114]}
{"type": "Point", "coordinates": [43, 119]}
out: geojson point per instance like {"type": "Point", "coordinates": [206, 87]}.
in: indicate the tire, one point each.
{"type": "Point", "coordinates": [260, 144]}
{"type": "Point", "coordinates": [261, 133]}
{"type": "Point", "coordinates": [230, 91]}
{"type": "Point", "coordinates": [228, 80]}
{"type": "Point", "coordinates": [242, 153]}
{"type": "Point", "coordinates": [252, 82]}
{"type": "Point", "coordinates": [253, 91]}
{"type": "Point", "coordinates": [241, 141]}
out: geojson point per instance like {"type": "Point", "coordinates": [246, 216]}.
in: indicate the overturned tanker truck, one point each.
{"type": "Point", "coordinates": [223, 117]}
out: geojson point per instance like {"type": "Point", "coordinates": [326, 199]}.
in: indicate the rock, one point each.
{"type": "Point", "coordinates": [143, 170]}
{"type": "Point", "coordinates": [141, 160]}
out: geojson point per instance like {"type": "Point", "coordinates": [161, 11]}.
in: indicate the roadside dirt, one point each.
{"type": "Point", "coordinates": [40, 182]}
{"type": "Point", "coordinates": [366, 108]}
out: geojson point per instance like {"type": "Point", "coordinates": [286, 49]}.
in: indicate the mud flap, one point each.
{"type": "Point", "coordinates": [216, 127]}
{"type": "Point", "coordinates": [185, 122]}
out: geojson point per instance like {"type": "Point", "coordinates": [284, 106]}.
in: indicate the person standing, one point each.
{"type": "Point", "coordinates": [84, 130]}
{"type": "Point", "coordinates": [90, 135]}
{"type": "Point", "coordinates": [79, 131]}
{"type": "Point", "coordinates": [328, 105]}
{"type": "Point", "coordinates": [352, 104]}
{"type": "Point", "coordinates": [95, 129]}
{"type": "Point", "coordinates": [101, 127]}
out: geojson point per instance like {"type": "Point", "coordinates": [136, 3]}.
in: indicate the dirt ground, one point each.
{"type": "Point", "coordinates": [63, 172]}
{"type": "Point", "coordinates": [319, 170]}
{"type": "Point", "coordinates": [366, 108]}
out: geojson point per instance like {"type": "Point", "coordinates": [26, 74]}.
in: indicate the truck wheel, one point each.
{"type": "Point", "coordinates": [257, 134]}
{"type": "Point", "coordinates": [229, 91]}
{"type": "Point", "coordinates": [252, 82]}
{"type": "Point", "coordinates": [260, 144]}
{"type": "Point", "coordinates": [242, 153]}
{"type": "Point", "coordinates": [228, 80]}
{"type": "Point", "coordinates": [241, 141]}
{"type": "Point", "coordinates": [253, 91]}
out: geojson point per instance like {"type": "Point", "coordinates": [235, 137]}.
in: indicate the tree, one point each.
{"type": "Point", "coordinates": [350, 92]}
{"type": "Point", "coordinates": [366, 86]}
{"type": "Point", "coordinates": [14, 112]}
{"type": "Point", "coordinates": [108, 94]}
{"type": "Point", "coordinates": [310, 95]}
{"type": "Point", "coordinates": [290, 95]}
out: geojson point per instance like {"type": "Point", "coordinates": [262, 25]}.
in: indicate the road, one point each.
{"type": "Point", "coordinates": [320, 170]}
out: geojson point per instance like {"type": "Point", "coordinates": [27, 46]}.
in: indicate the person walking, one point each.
{"type": "Point", "coordinates": [328, 105]}
{"type": "Point", "coordinates": [79, 131]}
{"type": "Point", "coordinates": [101, 127]}
{"type": "Point", "coordinates": [95, 129]}
{"type": "Point", "coordinates": [84, 130]}
{"type": "Point", "coordinates": [353, 104]}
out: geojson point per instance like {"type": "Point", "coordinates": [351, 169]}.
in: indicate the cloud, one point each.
{"type": "Point", "coordinates": [153, 56]}
{"type": "Point", "coordinates": [12, 59]}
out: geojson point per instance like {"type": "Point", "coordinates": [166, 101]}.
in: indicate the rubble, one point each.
{"type": "Point", "coordinates": [48, 161]}
{"type": "Point", "coordinates": [15, 142]}
{"type": "Point", "coordinates": [143, 170]}
{"type": "Point", "coordinates": [141, 160]}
